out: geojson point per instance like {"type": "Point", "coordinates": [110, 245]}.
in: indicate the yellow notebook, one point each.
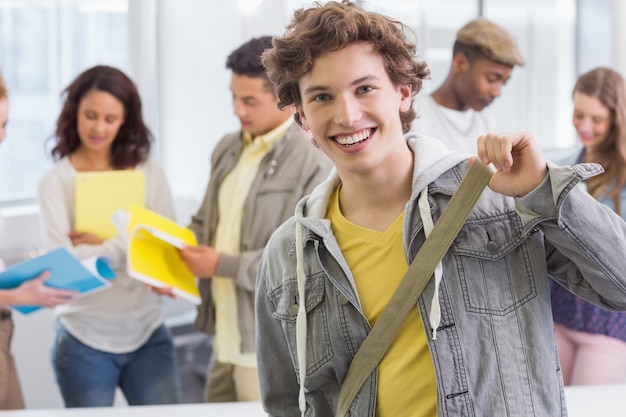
{"type": "Point", "coordinates": [99, 194]}
{"type": "Point", "coordinates": [153, 258]}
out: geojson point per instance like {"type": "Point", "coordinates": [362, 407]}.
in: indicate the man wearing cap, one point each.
{"type": "Point", "coordinates": [483, 58]}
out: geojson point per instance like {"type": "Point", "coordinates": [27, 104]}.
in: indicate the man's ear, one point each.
{"type": "Point", "coordinates": [460, 62]}
{"type": "Point", "coordinates": [298, 116]}
{"type": "Point", "coordinates": [407, 99]}
{"type": "Point", "coordinates": [301, 119]}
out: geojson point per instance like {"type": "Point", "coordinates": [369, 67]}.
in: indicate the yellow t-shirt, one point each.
{"type": "Point", "coordinates": [406, 385]}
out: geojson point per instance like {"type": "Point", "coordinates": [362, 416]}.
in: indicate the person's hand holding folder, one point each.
{"type": "Point", "coordinates": [84, 238]}
{"type": "Point", "coordinates": [201, 260]}
{"type": "Point", "coordinates": [52, 278]}
{"type": "Point", "coordinates": [155, 244]}
{"type": "Point", "coordinates": [35, 292]}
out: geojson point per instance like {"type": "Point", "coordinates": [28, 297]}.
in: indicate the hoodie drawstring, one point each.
{"type": "Point", "coordinates": [435, 309]}
{"type": "Point", "coordinates": [301, 318]}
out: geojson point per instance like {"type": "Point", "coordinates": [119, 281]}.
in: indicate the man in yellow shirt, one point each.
{"type": "Point", "coordinates": [257, 175]}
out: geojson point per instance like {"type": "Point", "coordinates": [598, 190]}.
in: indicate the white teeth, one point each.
{"type": "Point", "coordinates": [352, 139]}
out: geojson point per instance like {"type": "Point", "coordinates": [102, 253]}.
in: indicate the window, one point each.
{"type": "Point", "coordinates": [44, 44]}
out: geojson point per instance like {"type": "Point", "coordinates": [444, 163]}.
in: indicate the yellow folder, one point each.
{"type": "Point", "coordinates": [153, 258]}
{"type": "Point", "coordinates": [99, 194]}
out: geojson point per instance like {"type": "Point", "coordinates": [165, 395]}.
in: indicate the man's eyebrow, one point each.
{"type": "Point", "coordinates": [247, 98]}
{"type": "Point", "coordinates": [321, 88]}
{"type": "Point", "coordinates": [364, 79]}
{"type": "Point", "coordinates": [498, 74]}
{"type": "Point", "coordinates": [314, 89]}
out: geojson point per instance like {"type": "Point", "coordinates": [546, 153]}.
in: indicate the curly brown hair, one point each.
{"type": "Point", "coordinates": [332, 27]}
{"type": "Point", "coordinates": [133, 141]}
{"type": "Point", "coordinates": [609, 87]}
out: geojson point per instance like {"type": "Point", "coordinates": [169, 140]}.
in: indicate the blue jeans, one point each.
{"type": "Point", "coordinates": [88, 377]}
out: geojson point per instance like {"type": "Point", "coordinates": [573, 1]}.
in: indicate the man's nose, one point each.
{"type": "Point", "coordinates": [347, 111]}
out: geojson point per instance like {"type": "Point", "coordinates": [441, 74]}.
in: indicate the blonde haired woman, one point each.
{"type": "Point", "coordinates": [592, 341]}
{"type": "Point", "coordinates": [31, 292]}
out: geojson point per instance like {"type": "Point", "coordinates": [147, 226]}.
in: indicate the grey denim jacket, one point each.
{"type": "Point", "coordinates": [495, 353]}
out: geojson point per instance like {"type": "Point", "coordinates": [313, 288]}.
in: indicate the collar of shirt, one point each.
{"type": "Point", "coordinates": [270, 138]}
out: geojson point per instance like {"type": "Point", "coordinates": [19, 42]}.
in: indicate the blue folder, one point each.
{"type": "Point", "coordinates": [66, 272]}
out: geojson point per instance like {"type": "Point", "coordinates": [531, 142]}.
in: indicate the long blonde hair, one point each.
{"type": "Point", "coordinates": [3, 88]}
{"type": "Point", "coordinates": [609, 87]}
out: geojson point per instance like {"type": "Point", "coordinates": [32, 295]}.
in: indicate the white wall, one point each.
{"type": "Point", "coordinates": [195, 106]}
{"type": "Point", "coordinates": [619, 36]}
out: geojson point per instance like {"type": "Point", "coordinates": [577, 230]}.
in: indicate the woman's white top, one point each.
{"type": "Point", "coordinates": [119, 319]}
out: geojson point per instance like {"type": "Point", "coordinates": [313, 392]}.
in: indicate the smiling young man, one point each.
{"type": "Point", "coordinates": [257, 175]}
{"type": "Point", "coordinates": [481, 342]}
{"type": "Point", "coordinates": [483, 58]}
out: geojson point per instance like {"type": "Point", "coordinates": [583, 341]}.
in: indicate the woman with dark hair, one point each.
{"type": "Point", "coordinates": [114, 337]}
{"type": "Point", "coordinates": [591, 341]}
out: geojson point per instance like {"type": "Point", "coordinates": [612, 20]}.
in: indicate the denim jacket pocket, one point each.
{"type": "Point", "coordinates": [318, 349]}
{"type": "Point", "coordinates": [490, 255]}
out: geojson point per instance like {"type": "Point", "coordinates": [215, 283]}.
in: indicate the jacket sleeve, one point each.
{"type": "Point", "coordinates": [197, 220]}
{"type": "Point", "coordinates": [277, 377]}
{"type": "Point", "coordinates": [226, 148]}
{"type": "Point", "coordinates": [585, 240]}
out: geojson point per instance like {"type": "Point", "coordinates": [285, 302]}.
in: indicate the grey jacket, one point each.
{"type": "Point", "coordinates": [495, 353]}
{"type": "Point", "coordinates": [287, 173]}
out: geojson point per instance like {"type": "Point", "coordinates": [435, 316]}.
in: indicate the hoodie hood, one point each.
{"type": "Point", "coordinates": [431, 160]}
